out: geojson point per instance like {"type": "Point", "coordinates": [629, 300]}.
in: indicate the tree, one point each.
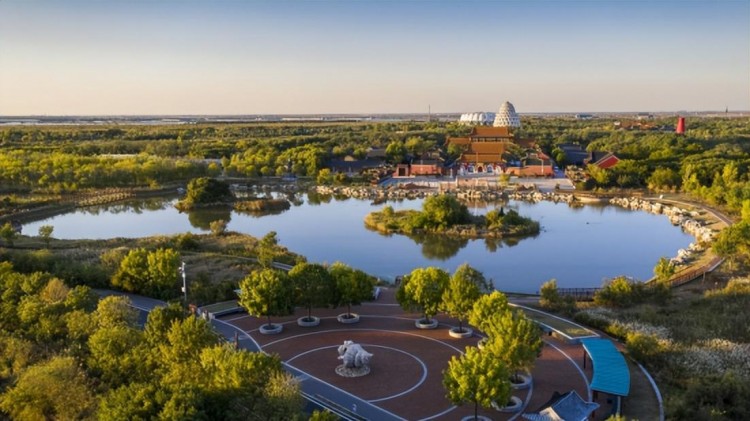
{"type": "Point", "coordinates": [463, 290]}
{"type": "Point", "coordinates": [514, 339]}
{"type": "Point", "coordinates": [619, 292]}
{"type": "Point", "coordinates": [486, 308]}
{"type": "Point", "coordinates": [313, 286]}
{"type": "Point", "coordinates": [664, 270]}
{"type": "Point", "coordinates": [549, 296]}
{"type": "Point", "coordinates": [45, 231]}
{"type": "Point", "coordinates": [267, 292]}
{"type": "Point", "coordinates": [117, 356]}
{"type": "Point", "coordinates": [423, 289]}
{"type": "Point", "coordinates": [266, 249]}
{"type": "Point", "coordinates": [115, 310]}
{"type": "Point", "coordinates": [324, 176]}
{"type": "Point", "coordinates": [443, 211]}
{"type": "Point", "coordinates": [8, 233]}
{"type": "Point", "coordinates": [218, 227]}
{"type": "Point", "coordinates": [151, 273]}
{"type": "Point", "coordinates": [353, 286]}
{"type": "Point", "coordinates": [477, 377]}
{"type": "Point", "coordinates": [54, 389]}
{"type": "Point", "coordinates": [206, 191]}
{"type": "Point", "coordinates": [395, 151]}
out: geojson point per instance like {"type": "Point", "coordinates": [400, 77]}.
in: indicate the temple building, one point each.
{"type": "Point", "coordinates": [483, 149]}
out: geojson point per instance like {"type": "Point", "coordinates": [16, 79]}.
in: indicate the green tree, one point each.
{"type": "Point", "coordinates": [8, 233]}
{"type": "Point", "coordinates": [324, 177]}
{"type": "Point", "coordinates": [204, 191]}
{"type": "Point", "coordinates": [476, 377]}
{"type": "Point", "coordinates": [45, 231]}
{"type": "Point", "coordinates": [313, 286]}
{"type": "Point", "coordinates": [54, 389]}
{"type": "Point", "coordinates": [549, 296]}
{"type": "Point", "coordinates": [116, 355]}
{"type": "Point", "coordinates": [443, 211]}
{"type": "Point", "coordinates": [114, 311]}
{"type": "Point", "coordinates": [267, 249]}
{"type": "Point", "coordinates": [514, 339]}
{"type": "Point", "coordinates": [423, 289]}
{"type": "Point", "coordinates": [463, 290]}
{"type": "Point", "coordinates": [151, 273]}
{"type": "Point", "coordinates": [395, 151]}
{"type": "Point", "coordinates": [135, 401]}
{"type": "Point", "coordinates": [664, 270]}
{"type": "Point", "coordinates": [486, 308]}
{"type": "Point", "coordinates": [619, 292]}
{"type": "Point", "coordinates": [218, 227]}
{"type": "Point", "coordinates": [267, 292]}
{"type": "Point", "coordinates": [353, 286]}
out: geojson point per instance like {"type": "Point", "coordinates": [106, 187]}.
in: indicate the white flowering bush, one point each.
{"type": "Point", "coordinates": [716, 356]}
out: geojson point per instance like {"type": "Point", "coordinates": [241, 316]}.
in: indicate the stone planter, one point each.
{"type": "Point", "coordinates": [525, 381]}
{"type": "Point", "coordinates": [460, 334]}
{"type": "Point", "coordinates": [514, 405]}
{"type": "Point", "coordinates": [424, 324]}
{"type": "Point", "coordinates": [271, 329]}
{"type": "Point", "coordinates": [353, 318]}
{"type": "Point", "coordinates": [308, 322]}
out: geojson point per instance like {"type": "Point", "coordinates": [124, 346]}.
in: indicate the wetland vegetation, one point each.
{"type": "Point", "coordinates": [694, 339]}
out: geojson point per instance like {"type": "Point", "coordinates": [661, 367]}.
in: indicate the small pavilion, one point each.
{"type": "Point", "coordinates": [611, 372]}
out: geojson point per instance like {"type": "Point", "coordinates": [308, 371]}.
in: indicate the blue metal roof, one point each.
{"type": "Point", "coordinates": [611, 372]}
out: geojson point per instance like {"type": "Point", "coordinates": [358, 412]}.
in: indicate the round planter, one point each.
{"type": "Point", "coordinates": [525, 382]}
{"type": "Point", "coordinates": [342, 318]}
{"type": "Point", "coordinates": [460, 334]}
{"type": "Point", "coordinates": [308, 322]}
{"type": "Point", "coordinates": [514, 405]}
{"type": "Point", "coordinates": [479, 417]}
{"type": "Point", "coordinates": [423, 324]}
{"type": "Point", "coordinates": [271, 329]}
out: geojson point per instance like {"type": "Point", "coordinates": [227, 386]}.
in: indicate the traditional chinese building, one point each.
{"type": "Point", "coordinates": [483, 149]}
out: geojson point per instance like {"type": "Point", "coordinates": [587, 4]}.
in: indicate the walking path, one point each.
{"type": "Point", "coordinates": [406, 377]}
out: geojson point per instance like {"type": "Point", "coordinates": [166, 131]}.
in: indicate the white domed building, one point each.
{"type": "Point", "coordinates": [507, 116]}
{"type": "Point", "coordinates": [478, 118]}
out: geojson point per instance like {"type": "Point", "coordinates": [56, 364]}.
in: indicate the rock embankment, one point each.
{"type": "Point", "coordinates": [683, 218]}
{"type": "Point", "coordinates": [418, 192]}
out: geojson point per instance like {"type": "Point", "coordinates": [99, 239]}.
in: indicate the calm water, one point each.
{"type": "Point", "coordinates": [578, 246]}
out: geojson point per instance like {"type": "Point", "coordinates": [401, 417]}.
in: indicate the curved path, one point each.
{"type": "Point", "coordinates": [406, 377]}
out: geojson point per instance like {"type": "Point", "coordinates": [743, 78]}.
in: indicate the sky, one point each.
{"type": "Point", "coordinates": [291, 57]}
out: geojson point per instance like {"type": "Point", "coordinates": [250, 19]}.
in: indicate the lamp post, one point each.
{"type": "Point", "coordinates": [184, 282]}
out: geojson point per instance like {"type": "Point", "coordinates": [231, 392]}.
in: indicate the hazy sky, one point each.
{"type": "Point", "coordinates": [248, 57]}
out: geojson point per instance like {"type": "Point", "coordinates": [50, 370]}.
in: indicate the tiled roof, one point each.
{"type": "Point", "coordinates": [485, 131]}
{"type": "Point", "coordinates": [497, 148]}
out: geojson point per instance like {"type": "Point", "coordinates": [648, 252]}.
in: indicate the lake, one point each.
{"type": "Point", "coordinates": [578, 246]}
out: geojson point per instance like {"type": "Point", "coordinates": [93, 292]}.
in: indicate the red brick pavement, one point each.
{"type": "Point", "coordinates": [406, 376]}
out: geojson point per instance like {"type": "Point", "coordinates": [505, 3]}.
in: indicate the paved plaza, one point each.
{"type": "Point", "coordinates": [406, 377]}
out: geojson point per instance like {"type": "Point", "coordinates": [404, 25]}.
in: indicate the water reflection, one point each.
{"type": "Point", "coordinates": [132, 206]}
{"type": "Point", "coordinates": [439, 247]}
{"type": "Point", "coordinates": [201, 218]}
{"type": "Point", "coordinates": [578, 246]}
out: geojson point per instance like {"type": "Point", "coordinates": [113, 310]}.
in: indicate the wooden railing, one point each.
{"type": "Point", "coordinates": [587, 294]}
{"type": "Point", "coordinates": [579, 294]}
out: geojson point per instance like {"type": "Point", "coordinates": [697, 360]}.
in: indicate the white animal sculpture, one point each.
{"type": "Point", "coordinates": [353, 355]}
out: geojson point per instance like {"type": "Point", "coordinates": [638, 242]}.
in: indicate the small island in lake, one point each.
{"type": "Point", "coordinates": [206, 192]}
{"type": "Point", "coordinates": [444, 214]}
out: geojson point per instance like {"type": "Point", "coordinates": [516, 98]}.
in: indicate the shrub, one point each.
{"type": "Point", "coordinates": [642, 347]}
